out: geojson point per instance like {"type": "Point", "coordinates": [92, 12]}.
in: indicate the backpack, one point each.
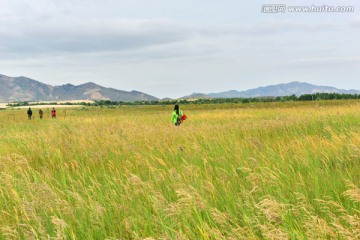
{"type": "Point", "coordinates": [179, 118]}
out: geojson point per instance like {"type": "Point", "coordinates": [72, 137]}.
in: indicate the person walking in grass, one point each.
{"type": "Point", "coordinates": [41, 114]}
{"type": "Point", "coordinates": [29, 113]}
{"type": "Point", "coordinates": [53, 113]}
{"type": "Point", "coordinates": [177, 116]}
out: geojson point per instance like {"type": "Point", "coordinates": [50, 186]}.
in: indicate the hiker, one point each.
{"type": "Point", "coordinates": [177, 116]}
{"type": "Point", "coordinates": [41, 114]}
{"type": "Point", "coordinates": [29, 113]}
{"type": "Point", "coordinates": [53, 113]}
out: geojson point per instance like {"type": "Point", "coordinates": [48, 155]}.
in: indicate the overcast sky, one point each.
{"type": "Point", "coordinates": [170, 48]}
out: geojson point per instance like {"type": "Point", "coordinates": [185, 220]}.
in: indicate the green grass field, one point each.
{"type": "Point", "coordinates": [245, 171]}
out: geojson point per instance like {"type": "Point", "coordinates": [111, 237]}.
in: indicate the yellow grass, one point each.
{"type": "Point", "coordinates": [253, 171]}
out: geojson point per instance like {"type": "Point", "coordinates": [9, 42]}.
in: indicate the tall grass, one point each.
{"type": "Point", "coordinates": [246, 171]}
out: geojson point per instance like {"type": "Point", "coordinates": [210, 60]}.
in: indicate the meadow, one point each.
{"type": "Point", "coordinates": [231, 171]}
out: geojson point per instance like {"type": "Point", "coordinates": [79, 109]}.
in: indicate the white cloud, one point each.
{"type": "Point", "coordinates": [201, 46]}
{"type": "Point", "coordinates": [356, 22]}
{"type": "Point", "coordinates": [73, 35]}
{"type": "Point", "coordinates": [330, 62]}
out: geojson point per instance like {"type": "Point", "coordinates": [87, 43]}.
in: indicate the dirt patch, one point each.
{"type": "Point", "coordinates": [50, 106]}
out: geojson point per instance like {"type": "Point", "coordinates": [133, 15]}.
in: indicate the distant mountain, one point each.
{"type": "Point", "coordinates": [285, 89]}
{"type": "Point", "coordinates": [196, 96]}
{"type": "Point", "coordinates": [26, 89]}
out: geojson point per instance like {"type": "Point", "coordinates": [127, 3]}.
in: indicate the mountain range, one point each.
{"type": "Point", "coordinates": [14, 89]}
{"type": "Point", "coordinates": [284, 89]}
{"type": "Point", "coordinates": [26, 89]}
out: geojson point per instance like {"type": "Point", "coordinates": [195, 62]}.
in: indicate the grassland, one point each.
{"type": "Point", "coordinates": [246, 171]}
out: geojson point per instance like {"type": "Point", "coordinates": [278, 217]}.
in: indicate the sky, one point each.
{"type": "Point", "coordinates": [169, 48]}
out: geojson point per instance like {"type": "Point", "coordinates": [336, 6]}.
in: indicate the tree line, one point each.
{"type": "Point", "coordinates": [304, 97]}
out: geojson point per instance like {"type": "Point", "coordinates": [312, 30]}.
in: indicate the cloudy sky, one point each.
{"type": "Point", "coordinates": [170, 48]}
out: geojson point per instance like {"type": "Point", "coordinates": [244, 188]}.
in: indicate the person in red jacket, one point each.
{"type": "Point", "coordinates": [53, 113]}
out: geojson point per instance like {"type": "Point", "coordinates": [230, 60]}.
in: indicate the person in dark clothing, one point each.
{"type": "Point", "coordinates": [29, 113]}
{"type": "Point", "coordinates": [41, 114]}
